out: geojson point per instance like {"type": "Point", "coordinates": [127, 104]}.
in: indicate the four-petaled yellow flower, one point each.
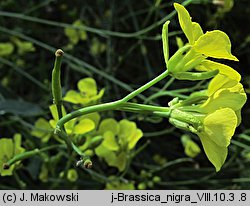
{"type": "Point", "coordinates": [215, 44]}
{"type": "Point", "coordinates": [218, 129]}
{"type": "Point", "coordinates": [226, 97]}
{"type": "Point", "coordinates": [215, 116]}
{"type": "Point", "coordinates": [224, 92]}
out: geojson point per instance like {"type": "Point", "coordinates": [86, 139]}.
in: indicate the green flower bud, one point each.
{"type": "Point", "coordinates": [156, 179]}
{"type": "Point", "coordinates": [72, 175]}
{"type": "Point", "coordinates": [142, 186]}
{"type": "Point", "coordinates": [150, 184]}
{"type": "Point", "coordinates": [191, 148]}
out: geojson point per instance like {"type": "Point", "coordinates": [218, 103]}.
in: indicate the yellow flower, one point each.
{"type": "Point", "coordinates": [226, 97]}
{"type": "Point", "coordinates": [224, 92]}
{"type": "Point", "coordinates": [211, 44]}
{"type": "Point", "coordinates": [87, 95]}
{"type": "Point", "coordinates": [215, 44]}
{"type": "Point", "coordinates": [214, 119]}
{"type": "Point", "coordinates": [218, 129]}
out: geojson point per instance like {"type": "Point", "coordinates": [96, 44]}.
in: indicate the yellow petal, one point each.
{"type": "Point", "coordinates": [207, 65]}
{"type": "Point", "coordinates": [185, 22]}
{"type": "Point", "coordinates": [75, 97]}
{"type": "Point", "coordinates": [87, 86]}
{"type": "Point", "coordinates": [216, 154]}
{"type": "Point", "coordinates": [219, 82]}
{"type": "Point", "coordinates": [110, 141]}
{"type": "Point", "coordinates": [219, 126]}
{"type": "Point", "coordinates": [234, 101]}
{"type": "Point", "coordinates": [224, 92]}
{"type": "Point", "coordinates": [134, 138]}
{"type": "Point", "coordinates": [238, 114]}
{"type": "Point", "coordinates": [215, 44]}
{"type": "Point", "coordinates": [84, 126]}
{"type": "Point", "coordinates": [197, 30]}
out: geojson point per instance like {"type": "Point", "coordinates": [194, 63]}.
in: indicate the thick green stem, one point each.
{"type": "Point", "coordinates": [116, 105]}
{"type": "Point", "coordinates": [145, 86]}
{"type": "Point", "coordinates": [144, 107]}
{"type": "Point", "coordinates": [86, 110]}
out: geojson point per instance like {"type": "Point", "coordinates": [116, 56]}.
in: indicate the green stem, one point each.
{"type": "Point", "coordinates": [86, 110]}
{"type": "Point", "coordinates": [114, 105]}
{"type": "Point", "coordinates": [145, 107]}
{"type": "Point", "coordinates": [164, 93]}
{"type": "Point", "coordinates": [29, 154]}
{"type": "Point", "coordinates": [145, 86]}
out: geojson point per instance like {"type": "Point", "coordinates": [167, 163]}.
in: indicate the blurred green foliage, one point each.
{"type": "Point", "coordinates": [114, 45]}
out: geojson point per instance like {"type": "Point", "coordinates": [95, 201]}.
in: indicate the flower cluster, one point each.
{"type": "Point", "coordinates": [119, 138]}
{"type": "Point", "coordinates": [10, 148]}
{"type": "Point", "coordinates": [214, 114]}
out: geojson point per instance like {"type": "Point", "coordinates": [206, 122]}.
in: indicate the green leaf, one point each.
{"type": "Point", "coordinates": [87, 86]}
{"type": "Point", "coordinates": [21, 108]}
{"type": "Point", "coordinates": [6, 49]}
{"type": "Point", "coordinates": [84, 126]}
